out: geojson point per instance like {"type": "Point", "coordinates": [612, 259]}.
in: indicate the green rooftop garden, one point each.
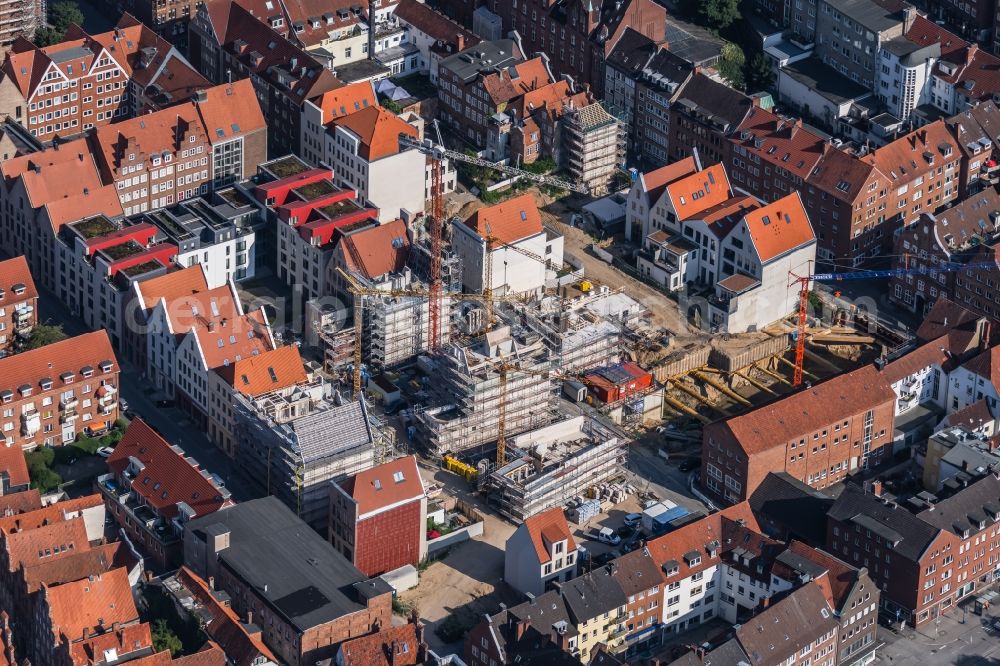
{"type": "Point", "coordinates": [95, 226]}
{"type": "Point", "coordinates": [335, 210]}
{"type": "Point", "coordinates": [315, 190]}
{"type": "Point", "coordinates": [142, 268]}
{"type": "Point", "coordinates": [285, 167]}
{"type": "Point", "coordinates": [123, 251]}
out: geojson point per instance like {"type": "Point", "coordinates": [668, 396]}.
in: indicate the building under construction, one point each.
{"type": "Point", "coordinates": [294, 442]}
{"type": "Point", "coordinates": [553, 464]}
{"type": "Point", "coordinates": [593, 146]}
{"type": "Point", "coordinates": [467, 385]}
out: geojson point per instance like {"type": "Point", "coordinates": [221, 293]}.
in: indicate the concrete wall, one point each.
{"type": "Point", "coordinates": [395, 183]}
{"type": "Point", "coordinates": [454, 538]}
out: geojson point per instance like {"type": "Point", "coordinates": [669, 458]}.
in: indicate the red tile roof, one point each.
{"type": "Point", "coordinates": [782, 142]}
{"type": "Point", "coordinates": [840, 575]}
{"type": "Point", "coordinates": [655, 182]}
{"type": "Point", "coordinates": [229, 110]}
{"type": "Point", "coordinates": [173, 285]}
{"type": "Point", "coordinates": [546, 528]}
{"type": "Point", "coordinates": [269, 371]}
{"type": "Point", "coordinates": [927, 355]}
{"type": "Point", "coordinates": [75, 566]}
{"type": "Point", "coordinates": [722, 217]}
{"type": "Point", "coordinates": [14, 272]}
{"type": "Point", "coordinates": [127, 640]}
{"type": "Point", "coordinates": [694, 194]}
{"type": "Point", "coordinates": [779, 227]}
{"type": "Point", "coordinates": [508, 221]}
{"type": "Point", "coordinates": [378, 131]}
{"type": "Point", "coordinates": [22, 502]}
{"type": "Point", "coordinates": [224, 340]}
{"type": "Point", "coordinates": [775, 424]}
{"type": "Point", "coordinates": [377, 251]}
{"type": "Point", "coordinates": [58, 512]}
{"type": "Point", "coordinates": [915, 154]}
{"type": "Point", "coordinates": [13, 468]}
{"type": "Point", "coordinates": [504, 85]}
{"type": "Point", "coordinates": [45, 542]}
{"type": "Point", "coordinates": [842, 175]}
{"type": "Point", "coordinates": [434, 24]}
{"type": "Point", "coordinates": [185, 310]}
{"type": "Point", "coordinates": [347, 99]}
{"type": "Point", "coordinates": [53, 174]}
{"type": "Point", "coordinates": [986, 365]}
{"type": "Point", "coordinates": [924, 32]}
{"type": "Point", "coordinates": [378, 649]}
{"type": "Point", "coordinates": [90, 604]}
{"type": "Point", "coordinates": [696, 536]}
{"type": "Point", "coordinates": [386, 485]}
{"type": "Point", "coordinates": [224, 625]}
{"type": "Point", "coordinates": [168, 477]}
{"type": "Point", "coordinates": [209, 655]}
{"type": "Point", "coordinates": [52, 361]}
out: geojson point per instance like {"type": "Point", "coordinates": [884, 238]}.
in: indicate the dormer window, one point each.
{"type": "Point", "coordinates": [87, 371]}
{"type": "Point", "coordinates": [46, 384]}
{"type": "Point", "coordinates": [67, 377]}
{"type": "Point", "coordinates": [24, 390]}
{"type": "Point", "coordinates": [6, 396]}
{"type": "Point", "coordinates": [18, 289]}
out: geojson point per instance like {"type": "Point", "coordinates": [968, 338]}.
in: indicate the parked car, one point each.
{"type": "Point", "coordinates": [603, 558]}
{"type": "Point", "coordinates": [105, 451]}
{"type": "Point", "coordinates": [633, 519]}
{"type": "Point", "coordinates": [607, 535]}
{"type": "Point", "coordinates": [123, 405]}
{"type": "Point", "coordinates": [692, 463]}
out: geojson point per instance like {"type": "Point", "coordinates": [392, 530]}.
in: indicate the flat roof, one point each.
{"type": "Point", "coordinates": [825, 80]}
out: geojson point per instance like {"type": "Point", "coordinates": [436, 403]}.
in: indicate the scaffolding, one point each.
{"type": "Point", "coordinates": [593, 146]}
{"type": "Point", "coordinates": [561, 461]}
{"type": "Point", "coordinates": [395, 329]}
{"type": "Point", "coordinates": [577, 338]}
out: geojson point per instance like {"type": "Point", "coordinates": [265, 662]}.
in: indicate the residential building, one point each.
{"type": "Point", "coordinates": [971, 290]}
{"type": "Point", "coordinates": [944, 238]}
{"type": "Point", "coordinates": [293, 442]}
{"type": "Point", "coordinates": [18, 303]}
{"type": "Point", "coordinates": [701, 116]}
{"type": "Point", "coordinates": [541, 550]}
{"type": "Point", "coordinates": [153, 489]}
{"type": "Point", "coordinates": [646, 205]}
{"type": "Point", "coordinates": [404, 645]}
{"type": "Point", "coordinates": [975, 380]}
{"type": "Point", "coordinates": [579, 38]}
{"type": "Point", "coordinates": [264, 557]}
{"type": "Point", "coordinates": [53, 394]}
{"type": "Point", "coordinates": [548, 466]}
{"type": "Point", "coordinates": [960, 454]}
{"type": "Point", "coordinates": [198, 598]}
{"type": "Point", "coordinates": [975, 131]}
{"type": "Point", "coordinates": [787, 509]}
{"type": "Point", "coordinates": [88, 81]}
{"type": "Point", "coordinates": [432, 34]}
{"type": "Point", "coordinates": [319, 112]}
{"type": "Point", "coordinates": [274, 370]}
{"type": "Point", "coordinates": [658, 86]}
{"type": "Point", "coordinates": [817, 436]}
{"type": "Point", "coordinates": [522, 251]}
{"type": "Point", "coordinates": [540, 629]}
{"type": "Point", "coordinates": [593, 146]}
{"type": "Point", "coordinates": [13, 470]}
{"type": "Point", "coordinates": [378, 517]}
{"type": "Point", "coordinates": [234, 44]}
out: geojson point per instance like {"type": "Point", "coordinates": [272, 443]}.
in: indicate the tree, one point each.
{"type": "Point", "coordinates": [44, 334]}
{"type": "Point", "coordinates": [40, 471]}
{"type": "Point", "coordinates": [165, 639]}
{"type": "Point", "coordinates": [759, 74]}
{"type": "Point", "coordinates": [64, 14]}
{"type": "Point", "coordinates": [718, 14]}
{"type": "Point", "coordinates": [731, 63]}
{"type": "Point", "coordinates": [47, 37]}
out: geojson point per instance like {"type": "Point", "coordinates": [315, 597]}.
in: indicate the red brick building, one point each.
{"type": "Point", "coordinates": [378, 518]}
{"type": "Point", "coordinates": [617, 382]}
{"type": "Point", "coordinates": [48, 396]}
{"type": "Point", "coordinates": [817, 435]}
{"type": "Point", "coordinates": [18, 302]}
{"type": "Point", "coordinates": [153, 489]}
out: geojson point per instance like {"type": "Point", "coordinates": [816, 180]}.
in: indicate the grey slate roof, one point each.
{"type": "Point", "coordinates": [963, 510]}
{"type": "Point", "coordinates": [789, 625]}
{"type": "Point", "coordinates": [332, 432]}
{"type": "Point", "coordinates": [888, 520]}
{"type": "Point", "coordinates": [593, 594]}
{"type": "Point", "coordinates": [798, 508]}
{"type": "Point", "coordinates": [631, 52]}
{"type": "Point", "coordinates": [483, 57]}
{"type": "Point", "coordinates": [710, 97]}
{"type": "Point", "coordinates": [307, 580]}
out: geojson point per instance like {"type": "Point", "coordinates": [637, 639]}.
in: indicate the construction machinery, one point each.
{"type": "Point", "coordinates": [804, 282]}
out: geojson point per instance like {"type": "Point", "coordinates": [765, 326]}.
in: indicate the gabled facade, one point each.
{"type": "Point", "coordinates": [18, 303]}
{"type": "Point", "coordinates": [541, 551]}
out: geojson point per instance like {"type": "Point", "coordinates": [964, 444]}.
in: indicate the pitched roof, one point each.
{"type": "Point", "coordinates": [841, 576]}
{"type": "Point", "coordinates": [184, 310]}
{"type": "Point", "coordinates": [924, 32]}
{"type": "Point", "coordinates": [593, 594]}
{"type": "Point", "coordinates": [125, 641]}
{"type": "Point", "coordinates": [391, 646]}
{"type": "Point", "coordinates": [227, 340]}
{"type": "Point", "coordinates": [841, 174]}
{"type": "Point", "coordinates": [965, 510]}
{"type": "Point", "coordinates": [227, 110]}
{"type": "Point", "coordinates": [508, 221]}
{"type": "Point", "coordinates": [775, 424]}
{"type": "Point", "coordinates": [655, 182]}
{"type": "Point", "coordinates": [74, 566]}
{"type": "Point", "coordinates": [268, 371]}
{"type": "Point", "coordinates": [28, 369]}
{"type": "Point", "coordinates": [377, 251]}
{"type": "Point", "coordinates": [377, 130]}
{"type": "Point", "coordinates": [724, 104]}
{"type": "Point", "coordinates": [241, 645]}
{"type": "Point", "coordinates": [22, 502]}
{"type": "Point", "coordinates": [385, 485]}
{"type": "Point", "coordinates": [13, 467]}
{"type": "Point", "coordinates": [722, 217]}
{"type": "Point", "coordinates": [168, 477]}
{"type": "Point", "coordinates": [91, 604]}
{"type": "Point", "coordinates": [546, 528]}
{"type": "Point", "coordinates": [434, 24]}
{"type": "Point", "coordinates": [779, 227]}
{"type": "Point", "coordinates": [696, 193]}
{"type": "Point", "coordinates": [51, 513]}
{"type": "Point", "coordinates": [45, 542]}
{"type": "Point", "coordinates": [637, 572]}
{"type": "Point", "coordinates": [909, 535]}
{"type": "Point", "coordinates": [986, 364]}
{"type": "Point", "coordinates": [68, 170]}
{"type": "Point", "coordinates": [506, 83]}
{"type": "Point", "coordinates": [780, 141]}
{"type": "Point", "coordinates": [784, 628]}
{"type": "Point", "coordinates": [967, 222]}
{"type": "Point", "coordinates": [794, 506]}
{"type": "Point", "coordinates": [945, 315]}
{"type": "Point", "coordinates": [14, 273]}
{"type": "Point", "coordinates": [345, 100]}
{"type": "Point", "coordinates": [915, 154]}
{"type": "Point", "coordinates": [173, 285]}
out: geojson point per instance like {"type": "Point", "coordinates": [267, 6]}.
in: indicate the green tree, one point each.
{"type": "Point", "coordinates": [63, 14]}
{"type": "Point", "coordinates": [47, 37]}
{"type": "Point", "coordinates": [40, 471]}
{"type": "Point", "coordinates": [759, 74]}
{"type": "Point", "coordinates": [45, 334]}
{"type": "Point", "coordinates": [731, 63]}
{"type": "Point", "coordinates": [164, 638]}
{"type": "Point", "coordinates": [718, 14]}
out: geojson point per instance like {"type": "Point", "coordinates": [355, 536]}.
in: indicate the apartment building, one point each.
{"type": "Point", "coordinates": [975, 131]}
{"type": "Point", "coordinates": [18, 303]}
{"type": "Point", "coordinates": [701, 116]}
{"type": "Point", "coordinates": [13, 471]}
{"type": "Point", "coordinates": [262, 555]}
{"type": "Point", "coordinates": [946, 237]}
{"type": "Point", "coordinates": [541, 550]}
{"type": "Point", "coordinates": [274, 370]}
{"type": "Point", "coordinates": [88, 81]}
{"type": "Point", "coordinates": [578, 39]}
{"type": "Point", "coordinates": [817, 436]}
{"type": "Point", "coordinates": [153, 489]}
{"type": "Point", "coordinates": [53, 394]}
{"type": "Point", "coordinates": [234, 44]}
{"type": "Point", "coordinates": [378, 517]}
{"type": "Point", "coordinates": [523, 252]}
{"type": "Point", "coordinates": [431, 34]}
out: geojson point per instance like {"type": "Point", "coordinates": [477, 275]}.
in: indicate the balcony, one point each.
{"type": "Point", "coordinates": [142, 515]}
{"type": "Point", "coordinates": [68, 403]}
{"type": "Point", "coordinates": [31, 422]}
{"type": "Point", "coordinates": [69, 416]}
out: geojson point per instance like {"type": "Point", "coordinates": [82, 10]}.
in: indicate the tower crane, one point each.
{"type": "Point", "coordinates": [805, 280]}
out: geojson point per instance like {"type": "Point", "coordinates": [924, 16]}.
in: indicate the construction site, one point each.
{"type": "Point", "coordinates": [594, 146]}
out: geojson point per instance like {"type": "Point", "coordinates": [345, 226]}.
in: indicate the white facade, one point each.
{"type": "Point", "coordinates": [525, 573]}
{"type": "Point", "coordinates": [801, 96]}
{"type": "Point", "coordinates": [904, 83]}
{"type": "Point", "coordinates": [231, 259]}
{"type": "Point", "coordinates": [965, 387]}
{"type": "Point", "coordinates": [513, 272]}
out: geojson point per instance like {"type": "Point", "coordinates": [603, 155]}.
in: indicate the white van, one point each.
{"type": "Point", "coordinates": [607, 535]}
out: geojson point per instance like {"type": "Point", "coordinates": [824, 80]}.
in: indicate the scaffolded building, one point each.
{"type": "Point", "coordinates": [556, 463]}
{"type": "Point", "coordinates": [296, 441]}
{"type": "Point", "coordinates": [593, 146]}
{"type": "Point", "coordinates": [467, 385]}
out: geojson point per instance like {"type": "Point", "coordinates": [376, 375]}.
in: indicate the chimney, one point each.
{"type": "Point", "coordinates": [971, 53]}
{"type": "Point", "coordinates": [249, 617]}
{"type": "Point", "coordinates": [519, 629]}
{"type": "Point", "coordinates": [211, 582]}
{"type": "Point", "coordinates": [876, 488]}
{"type": "Point", "coordinates": [460, 42]}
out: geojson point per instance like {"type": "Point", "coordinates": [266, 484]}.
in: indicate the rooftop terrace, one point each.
{"type": "Point", "coordinates": [338, 208]}
{"type": "Point", "coordinates": [122, 251]}
{"type": "Point", "coordinates": [286, 166]}
{"type": "Point", "coordinates": [312, 191]}
{"type": "Point", "coordinates": [94, 227]}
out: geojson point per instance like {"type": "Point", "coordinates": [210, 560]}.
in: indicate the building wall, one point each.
{"type": "Point", "coordinates": [513, 272]}
{"type": "Point", "coordinates": [525, 573]}
{"type": "Point", "coordinates": [966, 387]}
{"type": "Point", "coordinates": [17, 313]}
{"type": "Point", "coordinates": [232, 259]}
{"type": "Point", "coordinates": [390, 539]}
{"type": "Point", "coordinates": [391, 184]}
